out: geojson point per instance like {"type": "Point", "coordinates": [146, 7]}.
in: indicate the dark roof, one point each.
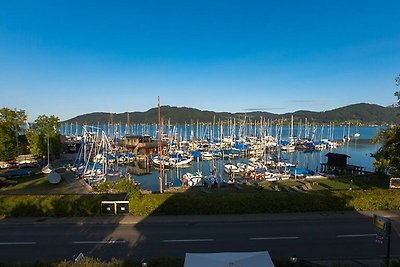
{"type": "Point", "coordinates": [114, 197]}
{"type": "Point", "coordinates": [337, 155]}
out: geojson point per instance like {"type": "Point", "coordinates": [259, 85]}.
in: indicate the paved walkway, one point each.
{"type": "Point", "coordinates": [76, 185]}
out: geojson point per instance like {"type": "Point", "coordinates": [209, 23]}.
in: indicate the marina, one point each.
{"type": "Point", "coordinates": [211, 155]}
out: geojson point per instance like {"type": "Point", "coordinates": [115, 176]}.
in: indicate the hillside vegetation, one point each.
{"type": "Point", "coordinates": [362, 113]}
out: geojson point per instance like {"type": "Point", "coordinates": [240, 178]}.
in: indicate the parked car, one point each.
{"type": "Point", "coordinates": [18, 173]}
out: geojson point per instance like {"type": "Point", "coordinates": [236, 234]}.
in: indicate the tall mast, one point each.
{"type": "Point", "coordinates": [160, 146]}
{"type": "Point", "coordinates": [291, 137]}
{"type": "Point", "coordinates": [128, 125]}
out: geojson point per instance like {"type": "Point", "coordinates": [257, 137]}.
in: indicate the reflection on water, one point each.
{"type": "Point", "coordinates": [358, 150]}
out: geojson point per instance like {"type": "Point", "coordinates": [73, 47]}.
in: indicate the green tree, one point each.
{"type": "Point", "coordinates": [43, 129]}
{"type": "Point", "coordinates": [10, 129]}
{"type": "Point", "coordinates": [397, 94]}
{"type": "Point", "coordinates": [387, 158]}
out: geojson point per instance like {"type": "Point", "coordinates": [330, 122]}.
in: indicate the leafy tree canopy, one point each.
{"type": "Point", "coordinates": [387, 158]}
{"type": "Point", "coordinates": [43, 129]}
{"type": "Point", "coordinates": [10, 128]}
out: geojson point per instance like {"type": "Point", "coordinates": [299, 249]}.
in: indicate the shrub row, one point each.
{"type": "Point", "coordinates": [123, 185]}
{"type": "Point", "coordinates": [50, 205]}
{"type": "Point", "coordinates": [201, 203]}
{"type": "Point", "coordinates": [264, 202]}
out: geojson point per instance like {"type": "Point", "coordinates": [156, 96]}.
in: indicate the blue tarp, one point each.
{"type": "Point", "coordinates": [300, 171]}
{"type": "Point", "coordinates": [241, 146]}
{"type": "Point", "coordinates": [196, 153]}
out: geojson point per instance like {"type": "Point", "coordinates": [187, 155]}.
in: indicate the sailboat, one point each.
{"type": "Point", "coordinates": [357, 134]}
{"type": "Point", "coordinates": [53, 176]}
{"type": "Point", "coordinates": [47, 169]}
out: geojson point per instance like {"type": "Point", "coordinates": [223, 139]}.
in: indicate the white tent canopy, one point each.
{"type": "Point", "coordinates": [229, 259]}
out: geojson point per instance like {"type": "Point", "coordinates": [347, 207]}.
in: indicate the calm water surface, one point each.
{"type": "Point", "coordinates": [359, 149]}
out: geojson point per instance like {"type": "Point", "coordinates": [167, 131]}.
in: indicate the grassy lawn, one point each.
{"type": "Point", "coordinates": [35, 184]}
{"type": "Point", "coordinates": [332, 184]}
{"type": "Point", "coordinates": [358, 182]}
{"type": "Point", "coordinates": [38, 184]}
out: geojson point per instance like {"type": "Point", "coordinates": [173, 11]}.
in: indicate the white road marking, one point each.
{"type": "Point", "coordinates": [101, 242]}
{"type": "Point", "coordinates": [17, 243]}
{"type": "Point", "coordinates": [360, 235]}
{"type": "Point", "coordinates": [274, 238]}
{"type": "Point", "coordinates": [187, 240]}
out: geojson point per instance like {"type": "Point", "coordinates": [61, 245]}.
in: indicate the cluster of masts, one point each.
{"type": "Point", "coordinates": [205, 141]}
{"type": "Point", "coordinates": [213, 131]}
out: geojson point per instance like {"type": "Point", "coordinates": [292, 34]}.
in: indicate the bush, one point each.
{"type": "Point", "coordinates": [263, 202]}
{"type": "Point", "coordinates": [50, 205]}
{"type": "Point", "coordinates": [123, 185]}
{"type": "Point", "coordinates": [375, 199]}
{"type": "Point", "coordinates": [200, 203]}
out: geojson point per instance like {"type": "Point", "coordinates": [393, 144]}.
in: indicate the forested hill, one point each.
{"type": "Point", "coordinates": [363, 113]}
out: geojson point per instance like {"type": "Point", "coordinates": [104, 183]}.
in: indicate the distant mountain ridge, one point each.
{"type": "Point", "coordinates": [363, 113]}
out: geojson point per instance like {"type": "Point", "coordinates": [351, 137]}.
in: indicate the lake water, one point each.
{"type": "Point", "coordinates": [206, 131]}
{"type": "Point", "coordinates": [359, 149]}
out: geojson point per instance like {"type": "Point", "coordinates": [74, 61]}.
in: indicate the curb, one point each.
{"type": "Point", "coordinates": [195, 219]}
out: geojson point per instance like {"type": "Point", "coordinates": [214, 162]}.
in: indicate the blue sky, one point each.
{"type": "Point", "coordinates": [67, 58]}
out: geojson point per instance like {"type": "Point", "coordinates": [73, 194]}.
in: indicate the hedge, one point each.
{"type": "Point", "coordinates": [50, 205]}
{"type": "Point", "coordinates": [201, 203]}
{"type": "Point", "coordinates": [264, 202]}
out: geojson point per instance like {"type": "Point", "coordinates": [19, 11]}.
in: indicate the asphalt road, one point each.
{"type": "Point", "coordinates": [336, 238]}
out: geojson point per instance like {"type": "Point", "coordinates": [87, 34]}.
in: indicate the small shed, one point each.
{"type": "Point", "coordinates": [337, 159]}
{"type": "Point", "coordinates": [141, 144]}
{"type": "Point", "coordinates": [134, 140]}
{"type": "Point", "coordinates": [337, 164]}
